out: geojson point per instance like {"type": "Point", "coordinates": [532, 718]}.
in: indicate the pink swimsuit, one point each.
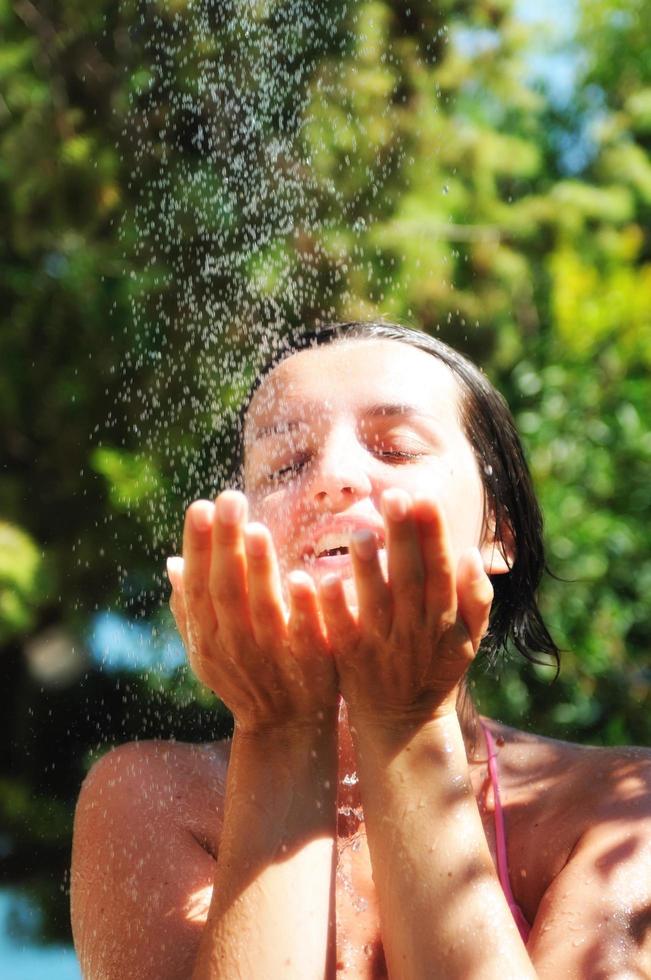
{"type": "Point", "coordinates": [500, 837]}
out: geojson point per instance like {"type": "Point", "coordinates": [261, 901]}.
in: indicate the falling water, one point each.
{"type": "Point", "coordinates": [263, 140]}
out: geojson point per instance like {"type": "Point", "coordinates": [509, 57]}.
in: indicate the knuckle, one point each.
{"type": "Point", "coordinates": [414, 579]}
{"type": "Point", "coordinates": [264, 608]}
{"type": "Point", "coordinates": [448, 621]}
{"type": "Point", "coordinates": [224, 592]}
{"type": "Point", "coordinates": [194, 589]}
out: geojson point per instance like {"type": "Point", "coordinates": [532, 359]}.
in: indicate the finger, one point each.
{"type": "Point", "coordinates": [306, 628]}
{"type": "Point", "coordinates": [340, 623]}
{"type": "Point", "coordinates": [266, 607]}
{"type": "Point", "coordinates": [228, 565]}
{"type": "Point", "coordinates": [177, 600]}
{"type": "Point", "coordinates": [438, 562]}
{"type": "Point", "coordinates": [200, 614]}
{"type": "Point", "coordinates": [475, 596]}
{"type": "Point", "coordinates": [373, 595]}
{"type": "Point", "coordinates": [405, 563]}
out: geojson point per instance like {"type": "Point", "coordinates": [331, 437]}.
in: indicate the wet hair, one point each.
{"type": "Point", "coordinates": [510, 503]}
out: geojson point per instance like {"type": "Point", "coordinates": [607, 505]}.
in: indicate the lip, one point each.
{"type": "Point", "coordinates": [344, 526]}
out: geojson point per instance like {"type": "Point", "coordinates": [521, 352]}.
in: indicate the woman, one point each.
{"type": "Point", "coordinates": [394, 531]}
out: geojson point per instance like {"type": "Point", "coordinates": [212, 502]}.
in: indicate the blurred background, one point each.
{"type": "Point", "coordinates": [181, 181]}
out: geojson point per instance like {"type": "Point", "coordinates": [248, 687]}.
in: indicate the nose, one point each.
{"type": "Point", "coordinates": [341, 475]}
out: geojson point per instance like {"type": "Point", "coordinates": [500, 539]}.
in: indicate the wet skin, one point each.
{"type": "Point", "coordinates": [359, 444]}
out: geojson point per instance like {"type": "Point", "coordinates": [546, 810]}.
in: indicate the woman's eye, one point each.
{"type": "Point", "coordinates": [288, 472]}
{"type": "Point", "coordinates": [398, 455]}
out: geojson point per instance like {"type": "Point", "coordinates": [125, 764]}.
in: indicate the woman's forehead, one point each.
{"type": "Point", "coordinates": [357, 374]}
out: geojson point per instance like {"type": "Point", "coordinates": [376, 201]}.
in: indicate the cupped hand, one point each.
{"type": "Point", "coordinates": [271, 666]}
{"type": "Point", "coordinates": [402, 656]}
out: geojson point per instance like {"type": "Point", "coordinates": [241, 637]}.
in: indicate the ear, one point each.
{"type": "Point", "coordinates": [498, 551]}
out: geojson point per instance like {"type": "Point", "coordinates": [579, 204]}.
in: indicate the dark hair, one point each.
{"type": "Point", "coordinates": [510, 500]}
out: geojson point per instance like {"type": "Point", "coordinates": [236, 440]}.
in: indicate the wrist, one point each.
{"type": "Point", "coordinates": [393, 729]}
{"type": "Point", "coordinates": [320, 726]}
{"type": "Point", "coordinates": [436, 741]}
{"type": "Point", "coordinates": [290, 749]}
{"type": "Point", "coordinates": [284, 776]}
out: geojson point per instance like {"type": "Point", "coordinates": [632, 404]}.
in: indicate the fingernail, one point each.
{"type": "Point", "coordinates": [174, 565]}
{"type": "Point", "coordinates": [364, 544]}
{"type": "Point", "coordinates": [427, 507]}
{"type": "Point", "coordinates": [201, 515]}
{"type": "Point", "coordinates": [330, 584]}
{"type": "Point", "coordinates": [299, 582]}
{"type": "Point", "coordinates": [255, 541]}
{"type": "Point", "coordinates": [395, 505]}
{"type": "Point", "coordinates": [230, 509]}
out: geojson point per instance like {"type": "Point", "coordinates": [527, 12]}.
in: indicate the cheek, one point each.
{"type": "Point", "coordinates": [464, 509]}
{"type": "Point", "coordinates": [457, 486]}
{"type": "Point", "coordinates": [281, 512]}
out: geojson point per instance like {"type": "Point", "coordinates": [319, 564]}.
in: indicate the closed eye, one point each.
{"type": "Point", "coordinates": [288, 472]}
{"type": "Point", "coordinates": [397, 455]}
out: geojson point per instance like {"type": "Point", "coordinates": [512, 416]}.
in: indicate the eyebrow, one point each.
{"type": "Point", "coordinates": [379, 410]}
{"type": "Point", "coordinates": [391, 409]}
{"type": "Point", "coordinates": [277, 428]}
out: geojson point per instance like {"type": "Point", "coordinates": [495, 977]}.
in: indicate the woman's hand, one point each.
{"type": "Point", "coordinates": [402, 657]}
{"type": "Point", "coordinates": [270, 666]}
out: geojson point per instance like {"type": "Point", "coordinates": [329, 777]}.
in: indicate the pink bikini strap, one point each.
{"type": "Point", "coordinates": [500, 838]}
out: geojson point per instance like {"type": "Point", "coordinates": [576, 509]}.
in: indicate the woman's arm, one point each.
{"type": "Point", "coordinates": [272, 910]}
{"type": "Point", "coordinates": [148, 830]}
{"type": "Point", "coordinates": [442, 907]}
{"type": "Point", "coordinates": [400, 662]}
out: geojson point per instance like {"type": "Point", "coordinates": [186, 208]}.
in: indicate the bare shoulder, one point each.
{"type": "Point", "coordinates": [567, 789]}
{"type": "Point", "coordinates": [146, 835]}
{"type": "Point", "coordinates": [599, 783]}
{"type": "Point", "coordinates": [161, 779]}
{"type": "Point", "coordinates": [580, 852]}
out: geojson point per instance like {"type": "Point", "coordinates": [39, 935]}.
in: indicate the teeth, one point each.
{"type": "Point", "coordinates": [331, 541]}
{"type": "Point", "coordinates": [334, 541]}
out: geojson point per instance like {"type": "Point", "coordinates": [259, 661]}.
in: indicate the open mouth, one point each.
{"type": "Point", "coordinates": [332, 545]}
{"type": "Point", "coordinates": [342, 550]}
{"type": "Point", "coordinates": [311, 555]}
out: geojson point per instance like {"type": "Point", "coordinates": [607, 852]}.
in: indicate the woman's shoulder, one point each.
{"type": "Point", "coordinates": [561, 798]}
{"type": "Point", "coordinates": [152, 776]}
{"type": "Point", "coordinates": [597, 781]}
{"type": "Point", "coordinates": [147, 828]}
{"type": "Point", "coordinates": [539, 756]}
{"type": "Point", "coordinates": [181, 755]}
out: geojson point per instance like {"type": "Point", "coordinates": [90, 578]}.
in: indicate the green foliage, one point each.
{"type": "Point", "coordinates": [382, 160]}
{"type": "Point", "coordinates": [23, 581]}
{"type": "Point", "coordinates": [435, 193]}
{"type": "Point", "coordinates": [130, 477]}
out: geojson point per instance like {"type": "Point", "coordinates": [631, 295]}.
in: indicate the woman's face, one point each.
{"type": "Point", "coordinates": [331, 428]}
